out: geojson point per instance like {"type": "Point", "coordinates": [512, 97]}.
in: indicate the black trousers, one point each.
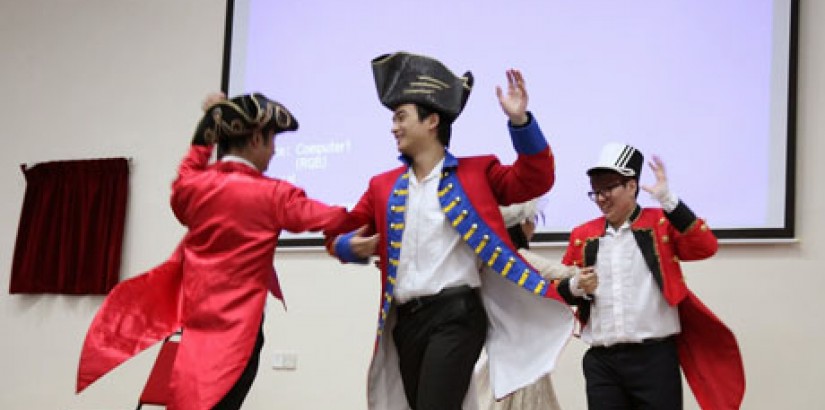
{"type": "Point", "coordinates": [438, 341]}
{"type": "Point", "coordinates": [634, 376]}
{"type": "Point", "coordinates": [237, 394]}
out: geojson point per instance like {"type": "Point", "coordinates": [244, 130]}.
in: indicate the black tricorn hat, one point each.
{"type": "Point", "coordinates": [241, 116]}
{"type": "Point", "coordinates": [402, 78]}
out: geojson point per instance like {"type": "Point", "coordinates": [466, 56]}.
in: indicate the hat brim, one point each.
{"type": "Point", "coordinates": [621, 171]}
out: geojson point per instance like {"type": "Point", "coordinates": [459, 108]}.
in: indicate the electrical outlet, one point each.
{"type": "Point", "coordinates": [284, 360]}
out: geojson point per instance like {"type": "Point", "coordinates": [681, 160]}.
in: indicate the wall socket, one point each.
{"type": "Point", "coordinates": [284, 360]}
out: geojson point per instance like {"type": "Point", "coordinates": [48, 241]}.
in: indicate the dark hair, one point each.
{"type": "Point", "coordinates": [227, 144]}
{"type": "Point", "coordinates": [624, 179]}
{"type": "Point", "coordinates": [445, 123]}
{"type": "Point", "coordinates": [638, 187]}
{"type": "Point", "coordinates": [271, 126]}
{"type": "Point", "coordinates": [518, 237]}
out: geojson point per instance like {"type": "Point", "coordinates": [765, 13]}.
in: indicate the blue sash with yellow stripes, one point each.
{"type": "Point", "coordinates": [396, 210]}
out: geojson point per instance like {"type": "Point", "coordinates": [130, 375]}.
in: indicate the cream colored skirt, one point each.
{"type": "Point", "coordinates": [537, 396]}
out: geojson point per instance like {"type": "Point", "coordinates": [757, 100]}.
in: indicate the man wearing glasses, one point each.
{"type": "Point", "coordinates": [636, 313]}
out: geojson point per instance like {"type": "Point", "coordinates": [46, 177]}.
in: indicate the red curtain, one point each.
{"type": "Point", "coordinates": [71, 227]}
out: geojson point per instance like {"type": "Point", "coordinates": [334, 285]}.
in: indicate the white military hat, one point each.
{"type": "Point", "coordinates": [621, 158]}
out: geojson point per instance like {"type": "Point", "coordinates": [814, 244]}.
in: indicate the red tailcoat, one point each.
{"type": "Point", "coordinates": [708, 352]}
{"type": "Point", "coordinates": [234, 216]}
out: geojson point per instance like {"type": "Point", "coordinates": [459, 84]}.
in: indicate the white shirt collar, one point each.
{"type": "Point", "coordinates": [614, 231]}
{"type": "Point", "coordinates": [434, 173]}
{"type": "Point", "coordinates": [235, 158]}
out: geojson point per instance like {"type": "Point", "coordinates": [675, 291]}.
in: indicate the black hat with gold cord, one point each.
{"type": "Point", "coordinates": [241, 116]}
{"type": "Point", "coordinates": [403, 78]}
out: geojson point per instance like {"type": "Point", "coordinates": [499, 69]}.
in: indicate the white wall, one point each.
{"type": "Point", "coordinates": [97, 78]}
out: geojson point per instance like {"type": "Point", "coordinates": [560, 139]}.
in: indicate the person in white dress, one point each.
{"type": "Point", "coordinates": [520, 220]}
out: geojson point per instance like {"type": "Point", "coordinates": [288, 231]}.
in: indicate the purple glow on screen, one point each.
{"type": "Point", "coordinates": [689, 81]}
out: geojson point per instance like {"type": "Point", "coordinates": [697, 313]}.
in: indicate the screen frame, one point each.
{"type": "Point", "coordinates": [786, 233]}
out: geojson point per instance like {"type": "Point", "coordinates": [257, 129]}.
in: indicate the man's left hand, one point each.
{"type": "Point", "coordinates": [514, 103]}
{"type": "Point", "coordinates": [660, 190]}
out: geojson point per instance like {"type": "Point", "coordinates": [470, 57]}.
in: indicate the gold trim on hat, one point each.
{"type": "Point", "coordinates": [259, 111]}
{"type": "Point", "coordinates": [426, 84]}
{"type": "Point", "coordinates": [282, 117]}
{"type": "Point", "coordinates": [433, 79]}
{"type": "Point", "coordinates": [466, 80]}
{"type": "Point", "coordinates": [417, 91]}
{"type": "Point", "coordinates": [236, 126]}
{"type": "Point", "coordinates": [240, 111]}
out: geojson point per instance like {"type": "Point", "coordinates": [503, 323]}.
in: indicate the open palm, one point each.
{"type": "Point", "coordinates": [514, 101]}
{"type": "Point", "coordinates": [660, 188]}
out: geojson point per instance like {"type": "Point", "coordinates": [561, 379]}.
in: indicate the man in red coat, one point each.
{"type": "Point", "coordinates": [639, 317]}
{"type": "Point", "coordinates": [223, 268]}
{"type": "Point", "coordinates": [451, 279]}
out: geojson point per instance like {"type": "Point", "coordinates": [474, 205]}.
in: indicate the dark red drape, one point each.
{"type": "Point", "coordinates": [71, 227]}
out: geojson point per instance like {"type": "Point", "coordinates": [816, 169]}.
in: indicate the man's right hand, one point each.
{"type": "Point", "coordinates": [363, 246]}
{"type": "Point", "coordinates": [212, 99]}
{"type": "Point", "coordinates": [200, 138]}
{"type": "Point", "coordinates": [587, 280]}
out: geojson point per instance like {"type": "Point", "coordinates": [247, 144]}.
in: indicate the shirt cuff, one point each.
{"type": "Point", "coordinates": [668, 200]}
{"type": "Point", "coordinates": [344, 251]}
{"type": "Point", "coordinates": [574, 287]}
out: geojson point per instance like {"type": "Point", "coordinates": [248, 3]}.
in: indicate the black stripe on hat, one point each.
{"type": "Point", "coordinates": [625, 155]}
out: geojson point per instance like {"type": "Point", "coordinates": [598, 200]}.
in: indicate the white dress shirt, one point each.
{"type": "Point", "coordinates": [433, 256]}
{"type": "Point", "coordinates": [628, 304]}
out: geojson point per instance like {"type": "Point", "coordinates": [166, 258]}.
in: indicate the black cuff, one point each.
{"type": "Point", "coordinates": [564, 291]}
{"type": "Point", "coordinates": [681, 217]}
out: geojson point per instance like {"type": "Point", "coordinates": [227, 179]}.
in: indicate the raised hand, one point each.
{"type": "Point", "coordinates": [212, 99]}
{"type": "Point", "coordinates": [514, 103]}
{"type": "Point", "coordinates": [203, 136]}
{"type": "Point", "coordinates": [660, 190]}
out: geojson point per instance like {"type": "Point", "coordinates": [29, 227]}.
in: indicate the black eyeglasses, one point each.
{"type": "Point", "coordinates": [604, 192]}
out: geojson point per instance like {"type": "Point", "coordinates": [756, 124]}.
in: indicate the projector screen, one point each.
{"type": "Point", "coordinates": [706, 85]}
